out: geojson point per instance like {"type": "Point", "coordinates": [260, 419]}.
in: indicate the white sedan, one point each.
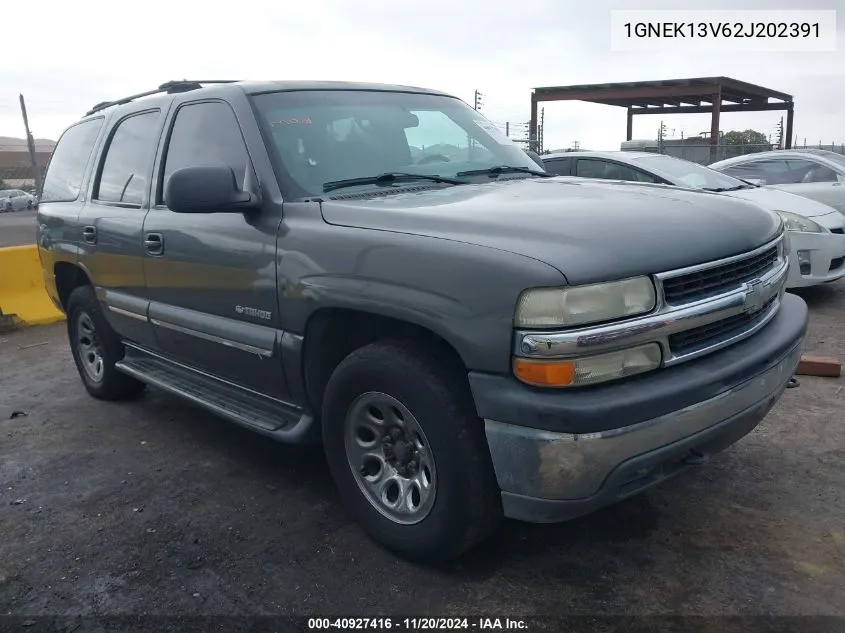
{"type": "Point", "coordinates": [816, 230]}
{"type": "Point", "coordinates": [813, 173]}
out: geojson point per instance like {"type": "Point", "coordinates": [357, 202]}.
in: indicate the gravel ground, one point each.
{"type": "Point", "coordinates": [156, 507]}
{"type": "Point", "coordinates": [17, 228]}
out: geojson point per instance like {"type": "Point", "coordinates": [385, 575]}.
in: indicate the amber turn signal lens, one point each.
{"type": "Point", "coordinates": [543, 373]}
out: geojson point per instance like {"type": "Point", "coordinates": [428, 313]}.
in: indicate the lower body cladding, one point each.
{"type": "Point", "coordinates": [815, 258]}
{"type": "Point", "coordinates": [563, 454]}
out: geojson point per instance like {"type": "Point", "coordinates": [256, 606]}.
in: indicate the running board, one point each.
{"type": "Point", "coordinates": [274, 418]}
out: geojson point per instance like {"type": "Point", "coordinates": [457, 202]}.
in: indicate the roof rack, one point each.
{"type": "Point", "coordinates": [168, 87]}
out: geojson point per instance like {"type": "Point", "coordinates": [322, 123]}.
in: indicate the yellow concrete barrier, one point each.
{"type": "Point", "coordinates": [23, 298]}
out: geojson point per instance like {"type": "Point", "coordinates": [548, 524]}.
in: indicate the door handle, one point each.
{"type": "Point", "coordinates": [89, 234]}
{"type": "Point", "coordinates": [154, 243]}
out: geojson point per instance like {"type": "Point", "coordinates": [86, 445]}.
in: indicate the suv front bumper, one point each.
{"type": "Point", "coordinates": [561, 454]}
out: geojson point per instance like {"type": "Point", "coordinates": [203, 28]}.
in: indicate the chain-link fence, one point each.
{"type": "Point", "coordinates": [699, 152]}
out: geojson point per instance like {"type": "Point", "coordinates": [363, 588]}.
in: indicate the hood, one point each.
{"type": "Point", "coordinates": [590, 230]}
{"type": "Point", "coordinates": [777, 200]}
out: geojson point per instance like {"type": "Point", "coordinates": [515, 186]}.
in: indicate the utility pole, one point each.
{"type": "Point", "coordinates": [478, 103]}
{"type": "Point", "coordinates": [780, 134]}
{"type": "Point", "coordinates": [540, 131]}
{"type": "Point", "coordinates": [507, 129]}
{"type": "Point", "coordinates": [33, 159]}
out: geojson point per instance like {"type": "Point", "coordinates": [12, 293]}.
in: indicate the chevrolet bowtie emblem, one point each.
{"type": "Point", "coordinates": [753, 296]}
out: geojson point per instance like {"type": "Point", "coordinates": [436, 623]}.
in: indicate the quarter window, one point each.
{"type": "Point", "coordinates": [70, 158]}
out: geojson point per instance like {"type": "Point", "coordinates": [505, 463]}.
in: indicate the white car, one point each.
{"type": "Point", "coordinates": [16, 200]}
{"type": "Point", "coordinates": [813, 173]}
{"type": "Point", "coordinates": [816, 230]}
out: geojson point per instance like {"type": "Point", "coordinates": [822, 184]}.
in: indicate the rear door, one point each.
{"type": "Point", "coordinates": [110, 223]}
{"type": "Point", "coordinates": [211, 277]}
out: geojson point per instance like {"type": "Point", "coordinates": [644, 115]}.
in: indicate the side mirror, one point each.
{"type": "Point", "coordinates": [209, 189]}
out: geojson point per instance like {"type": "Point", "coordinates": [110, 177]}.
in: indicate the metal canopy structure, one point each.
{"type": "Point", "coordinates": [701, 95]}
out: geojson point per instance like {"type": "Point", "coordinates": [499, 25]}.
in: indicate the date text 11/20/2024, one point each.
{"type": "Point", "coordinates": [417, 624]}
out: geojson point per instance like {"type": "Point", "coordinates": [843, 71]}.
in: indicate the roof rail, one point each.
{"type": "Point", "coordinates": [168, 87]}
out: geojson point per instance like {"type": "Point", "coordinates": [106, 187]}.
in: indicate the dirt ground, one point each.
{"type": "Point", "coordinates": [156, 507]}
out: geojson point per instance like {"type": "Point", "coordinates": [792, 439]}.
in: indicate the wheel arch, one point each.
{"type": "Point", "coordinates": [331, 334]}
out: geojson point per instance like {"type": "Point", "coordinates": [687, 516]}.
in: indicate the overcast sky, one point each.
{"type": "Point", "coordinates": [67, 56]}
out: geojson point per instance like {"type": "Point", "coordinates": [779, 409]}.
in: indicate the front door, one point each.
{"type": "Point", "coordinates": [211, 277]}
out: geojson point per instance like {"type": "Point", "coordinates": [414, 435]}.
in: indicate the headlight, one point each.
{"type": "Point", "coordinates": [588, 370]}
{"type": "Point", "coordinates": [794, 222]}
{"type": "Point", "coordinates": [577, 305]}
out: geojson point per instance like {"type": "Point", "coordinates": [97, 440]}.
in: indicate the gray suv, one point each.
{"type": "Point", "coordinates": [380, 269]}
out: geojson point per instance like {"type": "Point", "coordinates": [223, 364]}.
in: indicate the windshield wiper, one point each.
{"type": "Point", "coordinates": [388, 178]}
{"type": "Point", "coordinates": [724, 189]}
{"type": "Point", "coordinates": [505, 169]}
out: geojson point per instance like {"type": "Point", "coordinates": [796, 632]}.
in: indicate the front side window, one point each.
{"type": "Point", "coordinates": [810, 171]}
{"type": "Point", "coordinates": [205, 134]}
{"type": "Point", "coordinates": [124, 172]}
{"type": "Point", "coordinates": [324, 136]}
{"type": "Point", "coordinates": [69, 160]}
{"type": "Point", "coordinates": [557, 166]}
{"type": "Point", "coordinates": [591, 168]}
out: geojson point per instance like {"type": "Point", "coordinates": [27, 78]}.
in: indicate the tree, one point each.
{"type": "Point", "coordinates": [746, 137]}
{"type": "Point", "coordinates": [3, 185]}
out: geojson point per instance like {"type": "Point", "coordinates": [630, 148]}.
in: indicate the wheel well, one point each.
{"type": "Point", "coordinates": [332, 334]}
{"type": "Point", "coordinates": [69, 277]}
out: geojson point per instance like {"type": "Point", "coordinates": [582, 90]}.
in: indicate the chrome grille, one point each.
{"type": "Point", "coordinates": [721, 278]}
{"type": "Point", "coordinates": [706, 335]}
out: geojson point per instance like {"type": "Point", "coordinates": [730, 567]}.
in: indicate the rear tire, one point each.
{"type": "Point", "coordinates": [96, 348]}
{"type": "Point", "coordinates": [395, 418]}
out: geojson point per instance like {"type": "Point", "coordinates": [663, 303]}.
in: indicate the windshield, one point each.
{"type": "Point", "coordinates": [325, 136]}
{"type": "Point", "coordinates": [687, 174]}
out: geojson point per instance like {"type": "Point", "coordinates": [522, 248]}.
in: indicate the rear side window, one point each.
{"type": "Point", "coordinates": [67, 165]}
{"type": "Point", "coordinates": [205, 134]}
{"type": "Point", "coordinates": [124, 173]}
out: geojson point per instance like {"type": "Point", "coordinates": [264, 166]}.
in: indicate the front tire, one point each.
{"type": "Point", "coordinates": [96, 348]}
{"type": "Point", "coordinates": [408, 452]}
